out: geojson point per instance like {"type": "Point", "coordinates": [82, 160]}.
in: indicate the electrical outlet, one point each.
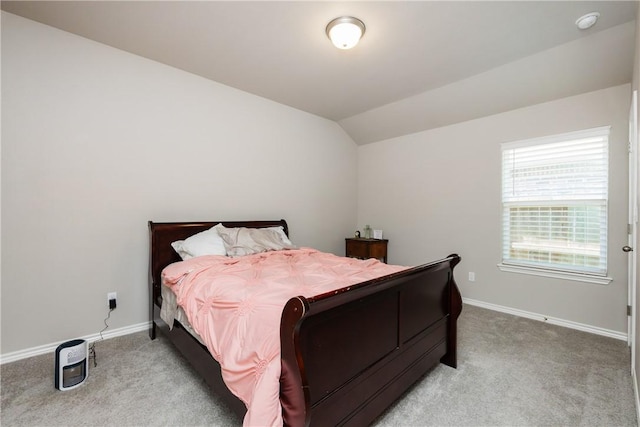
{"type": "Point", "coordinates": [472, 276]}
{"type": "Point", "coordinates": [111, 299]}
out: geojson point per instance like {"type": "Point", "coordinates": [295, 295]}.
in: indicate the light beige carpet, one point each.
{"type": "Point", "coordinates": [511, 372]}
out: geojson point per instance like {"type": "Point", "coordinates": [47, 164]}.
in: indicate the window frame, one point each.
{"type": "Point", "coordinates": [523, 267]}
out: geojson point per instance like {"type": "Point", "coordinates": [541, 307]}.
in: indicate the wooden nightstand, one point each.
{"type": "Point", "coordinates": [366, 248]}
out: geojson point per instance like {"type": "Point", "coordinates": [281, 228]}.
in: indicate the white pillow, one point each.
{"type": "Point", "coordinates": [246, 241]}
{"type": "Point", "coordinates": [207, 242]}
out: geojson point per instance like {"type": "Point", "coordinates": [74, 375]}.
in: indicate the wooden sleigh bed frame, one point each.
{"type": "Point", "coordinates": [346, 355]}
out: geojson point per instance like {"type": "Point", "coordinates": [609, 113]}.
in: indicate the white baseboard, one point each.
{"type": "Point", "coordinates": [552, 320]}
{"type": "Point", "coordinates": [50, 348]}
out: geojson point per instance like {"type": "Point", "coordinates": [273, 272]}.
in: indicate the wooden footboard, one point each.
{"type": "Point", "coordinates": [347, 355]}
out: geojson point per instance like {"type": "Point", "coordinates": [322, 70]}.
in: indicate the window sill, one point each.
{"type": "Point", "coordinates": [579, 277]}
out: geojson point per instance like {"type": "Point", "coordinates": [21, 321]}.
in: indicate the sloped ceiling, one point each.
{"type": "Point", "coordinates": [420, 64]}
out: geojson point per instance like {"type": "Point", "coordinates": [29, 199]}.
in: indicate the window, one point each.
{"type": "Point", "coordinates": [554, 202]}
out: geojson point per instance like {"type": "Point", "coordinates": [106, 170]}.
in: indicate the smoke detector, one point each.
{"type": "Point", "coordinates": [588, 20]}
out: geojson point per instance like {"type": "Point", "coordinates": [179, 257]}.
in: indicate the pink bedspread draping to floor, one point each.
{"type": "Point", "coordinates": [235, 305]}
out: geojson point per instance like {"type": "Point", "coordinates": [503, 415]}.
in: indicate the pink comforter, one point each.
{"type": "Point", "coordinates": [235, 305]}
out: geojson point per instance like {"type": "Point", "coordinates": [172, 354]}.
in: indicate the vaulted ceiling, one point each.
{"type": "Point", "coordinates": [420, 64]}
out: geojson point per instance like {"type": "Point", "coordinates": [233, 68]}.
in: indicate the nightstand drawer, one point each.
{"type": "Point", "coordinates": [366, 248]}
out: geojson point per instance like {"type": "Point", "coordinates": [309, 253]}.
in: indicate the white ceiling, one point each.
{"type": "Point", "coordinates": [420, 64]}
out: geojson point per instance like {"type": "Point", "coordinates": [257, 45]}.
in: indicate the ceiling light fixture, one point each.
{"type": "Point", "coordinates": [345, 32]}
{"type": "Point", "coordinates": [588, 20]}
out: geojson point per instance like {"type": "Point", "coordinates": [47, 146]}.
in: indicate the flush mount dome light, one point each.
{"type": "Point", "coordinates": [345, 32]}
{"type": "Point", "coordinates": [588, 20]}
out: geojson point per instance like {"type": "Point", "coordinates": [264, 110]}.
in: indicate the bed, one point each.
{"type": "Point", "coordinates": [345, 355]}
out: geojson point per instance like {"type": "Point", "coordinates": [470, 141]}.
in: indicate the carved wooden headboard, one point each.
{"type": "Point", "coordinates": [162, 234]}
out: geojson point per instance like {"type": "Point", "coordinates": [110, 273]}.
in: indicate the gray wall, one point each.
{"type": "Point", "coordinates": [438, 192]}
{"type": "Point", "coordinates": [96, 142]}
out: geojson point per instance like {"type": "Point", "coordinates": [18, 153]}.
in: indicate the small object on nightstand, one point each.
{"type": "Point", "coordinates": [367, 231]}
{"type": "Point", "coordinates": [366, 248]}
{"type": "Point", "coordinates": [357, 234]}
{"type": "Point", "coordinates": [377, 234]}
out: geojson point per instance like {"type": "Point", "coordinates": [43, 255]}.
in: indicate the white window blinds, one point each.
{"type": "Point", "coordinates": [554, 197]}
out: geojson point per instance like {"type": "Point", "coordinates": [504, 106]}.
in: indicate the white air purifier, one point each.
{"type": "Point", "coordinates": [72, 364]}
